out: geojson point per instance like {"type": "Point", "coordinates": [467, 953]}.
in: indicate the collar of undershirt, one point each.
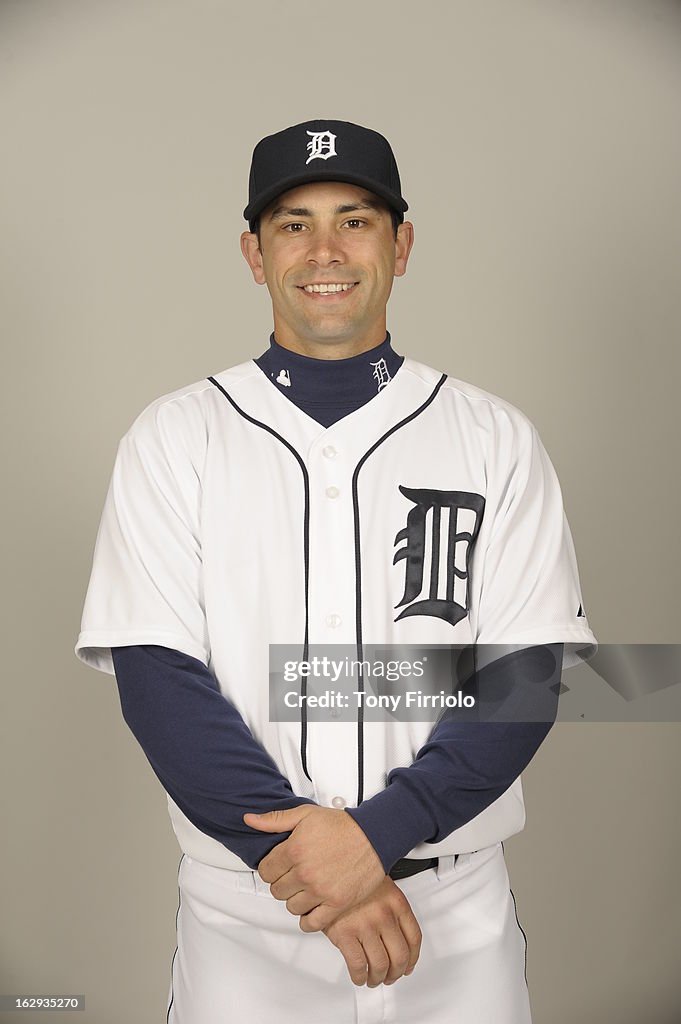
{"type": "Point", "coordinates": [327, 383]}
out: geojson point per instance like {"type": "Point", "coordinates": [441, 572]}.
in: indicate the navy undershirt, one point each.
{"type": "Point", "coordinates": [328, 389]}
{"type": "Point", "coordinates": [215, 770]}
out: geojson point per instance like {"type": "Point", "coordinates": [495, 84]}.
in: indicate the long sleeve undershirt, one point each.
{"type": "Point", "coordinates": [214, 769]}
{"type": "Point", "coordinates": [200, 748]}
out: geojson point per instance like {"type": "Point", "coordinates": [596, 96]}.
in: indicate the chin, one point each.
{"type": "Point", "coordinates": [331, 332]}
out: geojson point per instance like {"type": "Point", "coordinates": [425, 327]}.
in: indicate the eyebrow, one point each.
{"type": "Point", "coordinates": [302, 211]}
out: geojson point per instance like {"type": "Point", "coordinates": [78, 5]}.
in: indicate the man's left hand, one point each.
{"type": "Point", "coordinates": [325, 867]}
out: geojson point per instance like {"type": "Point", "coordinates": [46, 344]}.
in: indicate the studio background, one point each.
{"type": "Point", "coordinates": [540, 155]}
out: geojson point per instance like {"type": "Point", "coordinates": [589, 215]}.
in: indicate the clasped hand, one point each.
{"type": "Point", "coordinates": [329, 874]}
{"type": "Point", "coordinates": [324, 868]}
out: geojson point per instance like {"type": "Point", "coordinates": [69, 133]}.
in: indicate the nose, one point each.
{"type": "Point", "coordinates": [325, 247]}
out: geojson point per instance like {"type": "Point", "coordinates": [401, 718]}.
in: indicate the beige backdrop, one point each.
{"type": "Point", "coordinates": [539, 149]}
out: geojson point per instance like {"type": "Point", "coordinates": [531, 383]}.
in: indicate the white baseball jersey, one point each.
{"type": "Point", "coordinates": [233, 520]}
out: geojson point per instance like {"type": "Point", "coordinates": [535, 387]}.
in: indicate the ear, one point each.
{"type": "Point", "coordinates": [253, 255]}
{"type": "Point", "coordinates": [403, 244]}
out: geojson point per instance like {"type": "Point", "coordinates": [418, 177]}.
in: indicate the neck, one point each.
{"type": "Point", "coordinates": [331, 348]}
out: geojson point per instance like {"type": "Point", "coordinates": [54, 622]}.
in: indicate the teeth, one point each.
{"type": "Point", "coordinates": [323, 288]}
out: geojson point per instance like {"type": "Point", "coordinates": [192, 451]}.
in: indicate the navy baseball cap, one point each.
{"type": "Point", "coordinates": [322, 151]}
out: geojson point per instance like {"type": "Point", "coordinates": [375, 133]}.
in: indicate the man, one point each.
{"type": "Point", "coordinates": [333, 492]}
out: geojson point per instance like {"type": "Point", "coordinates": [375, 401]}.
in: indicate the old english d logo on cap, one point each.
{"type": "Point", "coordinates": [321, 146]}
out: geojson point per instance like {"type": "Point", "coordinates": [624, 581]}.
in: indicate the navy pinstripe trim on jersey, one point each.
{"type": "Point", "coordinates": [358, 576]}
{"type": "Point", "coordinates": [521, 929]}
{"type": "Point", "coordinates": [172, 965]}
{"type": "Point", "coordinates": [515, 908]}
{"type": "Point", "coordinates": [306, 557]}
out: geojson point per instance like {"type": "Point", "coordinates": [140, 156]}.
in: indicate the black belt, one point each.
{"type": "Point", "coordinates": [411, 866]}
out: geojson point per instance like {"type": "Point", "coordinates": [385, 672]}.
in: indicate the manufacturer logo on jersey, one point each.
{"type": "Point", "coordinates": [440, 533]}
{"type": "Point", "coordinates": [322, 145]}
{"type": "Point", "coordinates": [284, 379]}
{"type": "Point", "coordinates": [380, 374]}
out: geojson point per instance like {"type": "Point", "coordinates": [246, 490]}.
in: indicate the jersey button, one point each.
{"type": "Point", "coordinates": [333, 621]}
{"type": "Point", "coordinates": [332, 492]}
{"type": "Point", "coordinates": [329, 452]}
{"type": "Point", "coordinates": [338, 802]}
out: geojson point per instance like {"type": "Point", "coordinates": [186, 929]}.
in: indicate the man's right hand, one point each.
{"type": "Point", "coordinates": [380, 938]}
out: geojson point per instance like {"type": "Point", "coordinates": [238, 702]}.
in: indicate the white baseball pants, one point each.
{"type": "Point", "coordinates": [241, 955]}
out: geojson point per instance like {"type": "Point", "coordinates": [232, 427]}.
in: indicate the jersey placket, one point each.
{"type": "Point", "coordinates": [332, 611]}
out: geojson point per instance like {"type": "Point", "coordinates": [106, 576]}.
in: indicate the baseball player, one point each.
{"type": "Point", "coordinates": [332, 491]}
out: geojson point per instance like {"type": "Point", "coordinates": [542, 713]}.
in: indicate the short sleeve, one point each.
{"type": "Point", "coordinates": [530, 591]}
{"type": "Point", "coordinates": [145, 585]}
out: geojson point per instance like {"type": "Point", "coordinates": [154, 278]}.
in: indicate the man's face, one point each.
{"type": "Point", "coordinates": [325, 233]}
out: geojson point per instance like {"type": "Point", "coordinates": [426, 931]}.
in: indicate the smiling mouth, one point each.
{"type": "Point", "coordinates": [327, 296]}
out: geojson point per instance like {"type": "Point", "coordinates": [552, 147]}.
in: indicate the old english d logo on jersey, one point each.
{"type": "Point", "coordinates": [440, 532]}
{"type": "Point", "coordinates": [322, 145]}
{"type": "Point", "coordinates": [381, 374]}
